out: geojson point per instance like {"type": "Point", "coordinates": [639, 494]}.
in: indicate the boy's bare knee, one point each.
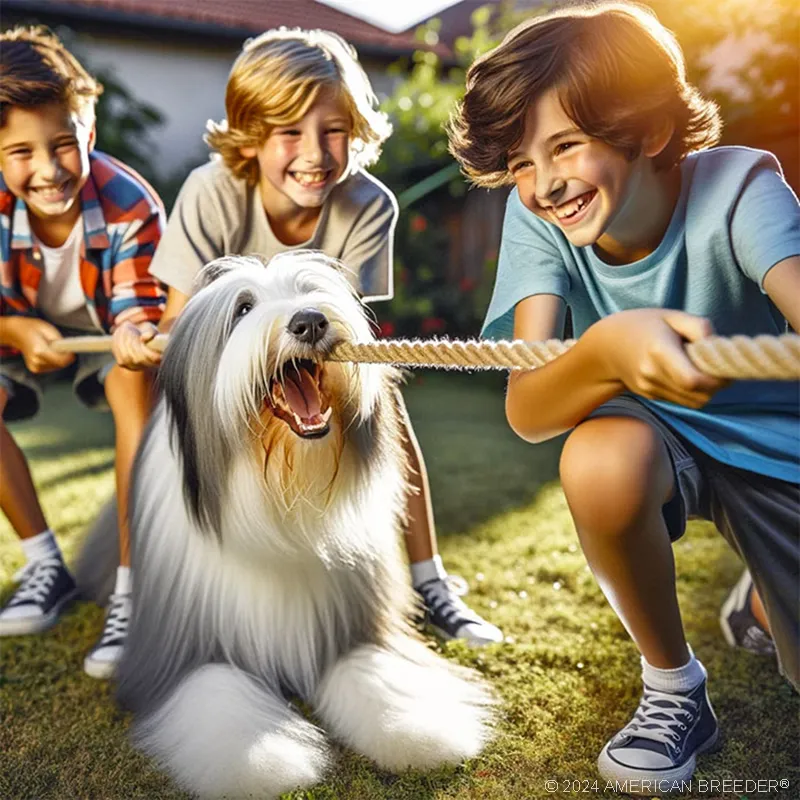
{"type": "Point", "coordinates": [614, 468]}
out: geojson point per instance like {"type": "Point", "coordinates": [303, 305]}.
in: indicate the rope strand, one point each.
{"type": "Point", "coordinates": [738, 357]}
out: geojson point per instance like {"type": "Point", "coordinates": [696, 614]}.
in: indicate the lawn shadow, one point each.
{"type": "Point", "coordinates": [62, 426]}
{"type": "Point", "coordinates": [86, 471]}
{"type": "Point", "coordinates": [478, 467]}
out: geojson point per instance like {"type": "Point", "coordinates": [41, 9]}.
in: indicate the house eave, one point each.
{"type": "Point", "coordinates": [142, 24]}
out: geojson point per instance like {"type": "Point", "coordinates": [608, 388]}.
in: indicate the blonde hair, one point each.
{"type": "Point", "coordinates": [277, 78]}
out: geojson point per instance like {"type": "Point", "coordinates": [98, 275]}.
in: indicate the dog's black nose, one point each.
{"type": "Point", "coordinates": [308, 325]}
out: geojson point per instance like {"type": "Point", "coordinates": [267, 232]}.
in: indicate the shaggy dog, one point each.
{"type": "Point", "coordinates": [265, 517]}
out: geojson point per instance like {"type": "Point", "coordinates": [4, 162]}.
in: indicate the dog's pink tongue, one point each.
{"type": "Point", "coordinates": [302, 394]}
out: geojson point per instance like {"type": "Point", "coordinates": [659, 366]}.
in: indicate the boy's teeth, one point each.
{"type": "Point", "coordinates": [573, 207]}
{"type": "Point", "coordinates": [310, 177]}
{"type": "Point", "coordinates": [48, 191]}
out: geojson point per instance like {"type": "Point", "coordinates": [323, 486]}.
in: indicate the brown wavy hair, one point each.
{"type": "Point", "coordinates": [276, 79]}
{"type": "Point", "coordinates": [616, 69]}
{"type": "Point", "coordinates": [36, 69]}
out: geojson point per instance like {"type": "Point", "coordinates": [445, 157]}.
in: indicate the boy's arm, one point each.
{"type": "Point", "coordinates": [193, 237]}
{"type": "Point", "coordinates": [641, 351]}
{"type": "Point", "coordinates": [32, 336]}
{"type": "Point", "coordinates": [137, 296]}
{"type": "Point", "coordinates": [782, 284]}
{"type": "Point", "coordinates": [176, 300]}
{"type": "Point", "coordinates": [544, 402]}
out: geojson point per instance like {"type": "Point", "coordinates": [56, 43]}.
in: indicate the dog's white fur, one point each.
{"type": "Point", "coordinates": [267, 566]}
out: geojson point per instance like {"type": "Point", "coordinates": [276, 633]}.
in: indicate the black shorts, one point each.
{"type": "Point", "coordinates": [25, 388]}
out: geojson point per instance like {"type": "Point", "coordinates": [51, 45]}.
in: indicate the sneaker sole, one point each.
{"type": "Point", "coordinates": [101, 670]}
{"type": "Point", "coordinates": [734, 600]}
{"type": "Point", "coordinates": [25, 626]}
{"type": "Point", "coordinates": [612, 770]}
{"type": "Point", "coordinates": [450, 638]}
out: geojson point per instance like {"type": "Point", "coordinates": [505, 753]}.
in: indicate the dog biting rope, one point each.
{"type": "Point", "coordinates": [742, 357]}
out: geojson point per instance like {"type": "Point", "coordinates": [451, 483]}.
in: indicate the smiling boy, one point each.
{"type": "Point", "coordinates": [623, 212]}
{"type": "Point", "coordinates": [301, 129]}
{"type": "Point", "coordinates": [77, 232]}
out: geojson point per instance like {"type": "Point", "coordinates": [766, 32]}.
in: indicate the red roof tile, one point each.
{"type": "Point", "coordinates": [256, 16]}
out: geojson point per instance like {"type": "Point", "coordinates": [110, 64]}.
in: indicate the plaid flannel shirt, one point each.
{"type": "Point", "coordinates": [123, 220]}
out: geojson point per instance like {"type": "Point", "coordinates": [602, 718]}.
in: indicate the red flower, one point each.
{"type": "Point", "coordinates": [467, 284]}
{"type": "Point", "coordinates": [432, 325]}
{"type": "Point", "coordinates": [418, 223]}
{"type": "Point", "coordinates": [386, 329]}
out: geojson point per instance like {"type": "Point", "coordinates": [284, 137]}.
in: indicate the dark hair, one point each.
{"type": "Point", "coordinates": [36, 69]}
{"type": "Point", "coordinates": [616, 70]}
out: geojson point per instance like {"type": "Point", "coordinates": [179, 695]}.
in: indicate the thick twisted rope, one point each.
{"type": "Point", "coordinates": [738, 357]}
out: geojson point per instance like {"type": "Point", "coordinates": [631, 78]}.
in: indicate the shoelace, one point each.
{"type": "Point", "coordinates": [117, 620]}
{"type": "Point", "coordinates": [661, 723]}
{"type": "Point", "coordinates": [36, 579]}
{"type": "Point", "coordinates": [439, 597]}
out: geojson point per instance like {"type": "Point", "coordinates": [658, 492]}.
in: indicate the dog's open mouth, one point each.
{"type": "Point", "coordinates": [299, 399]}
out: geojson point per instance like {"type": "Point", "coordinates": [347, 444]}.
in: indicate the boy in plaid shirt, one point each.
{"type": "Point", "coordinates": [78, 230]}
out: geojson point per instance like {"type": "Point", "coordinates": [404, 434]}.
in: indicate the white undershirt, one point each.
{"type": "Point", "coordinates": [60, 298]}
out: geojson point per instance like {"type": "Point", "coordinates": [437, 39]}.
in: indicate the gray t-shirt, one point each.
{"type": "Point", "coordinates": [217, 214]}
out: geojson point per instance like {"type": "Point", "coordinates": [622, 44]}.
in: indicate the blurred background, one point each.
{"type": "Point", "coordinates": [164, 65]}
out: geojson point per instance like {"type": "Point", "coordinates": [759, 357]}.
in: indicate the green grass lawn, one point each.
{"type": "Point", "coordinates": [567, 674]}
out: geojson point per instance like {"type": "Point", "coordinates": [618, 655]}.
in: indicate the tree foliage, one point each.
{"type": "Point", "coordinates": [760, 97]}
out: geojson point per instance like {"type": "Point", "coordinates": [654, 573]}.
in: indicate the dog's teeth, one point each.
{"type": "Point", "coordinates": [327, 415]}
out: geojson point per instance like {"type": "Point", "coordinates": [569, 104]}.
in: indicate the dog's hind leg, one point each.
{"type": "Point", "coordinates": [404, 712]}
{"type": "Point", "coordinates": [222, 734]}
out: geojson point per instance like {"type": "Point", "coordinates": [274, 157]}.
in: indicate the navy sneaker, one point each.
{"type": "Point", "coordinates": [739, 626]}
{"type": "Point", "coordinates": [45, 591]}
{"type": "Point", "coordinates": [102, 660]}
{"type": "Point", "coordinates": [659, 746]}
{"type": "Point", "coordinates": [446, 614]}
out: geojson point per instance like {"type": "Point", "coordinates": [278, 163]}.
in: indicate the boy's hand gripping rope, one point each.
{"type": "Point", "coordinates": [742, 357]}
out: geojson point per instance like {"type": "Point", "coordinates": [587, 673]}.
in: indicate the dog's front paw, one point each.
{"type": "Point", "coordinates": [402, 714]}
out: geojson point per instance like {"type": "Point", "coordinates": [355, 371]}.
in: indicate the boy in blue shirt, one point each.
{"type": "Point", "coordinates": [621, 214]}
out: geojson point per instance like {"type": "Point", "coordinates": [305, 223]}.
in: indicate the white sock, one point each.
{"type": "Point", "coordinates": [423, 571]}
{"type": "Point", "coordinates": [41, 546]}
{"type": "Point", "coordinates": [124, 581]}
{"type": "Point", "coordinates": [681, 679]}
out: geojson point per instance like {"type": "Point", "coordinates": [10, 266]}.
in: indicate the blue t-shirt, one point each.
{"type": "Point", "coordinates": [735, 219]}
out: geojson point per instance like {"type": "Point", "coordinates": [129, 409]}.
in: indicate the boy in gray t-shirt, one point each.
{"type": "Point", "coordinates": [301, 125]}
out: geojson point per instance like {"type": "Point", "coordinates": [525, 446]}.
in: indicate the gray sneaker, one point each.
{"type": "Point", "coordinates": [102, 660]}
{"type": "Point", "coordinates": [658, 748]}
{"type": "Point", "coordinates": [739, 626]}
{"type": "Point", "coordinates": [450, 618]}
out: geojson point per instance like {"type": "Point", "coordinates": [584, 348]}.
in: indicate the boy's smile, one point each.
{"type": "Point", "coordinates": [590, 190]}
{"type": "Point", "coordinates": [572, 211]}
{"type": "Point", "coordinates": [301, 162]}
{"type": "Point", "coordinates": [44, 157]}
